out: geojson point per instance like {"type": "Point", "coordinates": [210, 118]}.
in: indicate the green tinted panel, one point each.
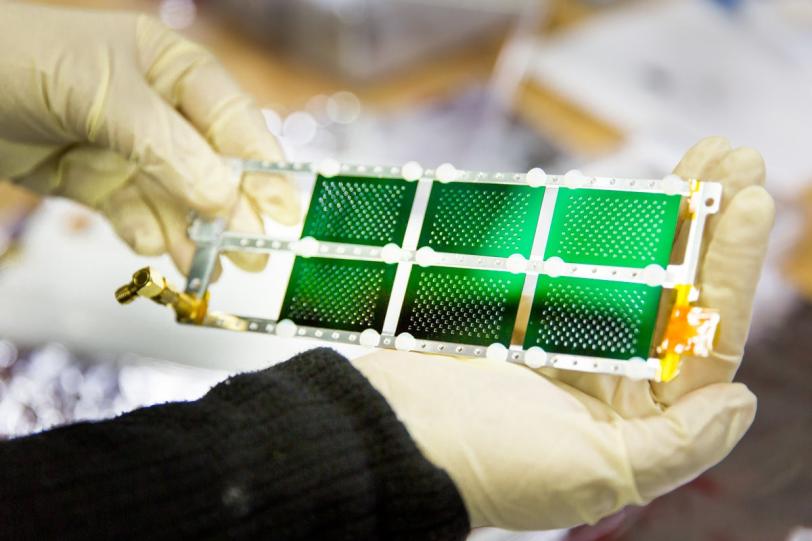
{"type": "Point", "coordinates": [359, 210]}
{"type": "Point", "coordinates": [461, 305]}
{"type": "Point", "coordinates": [481, 219]}
{"type": "Point", "coordinates": [604, 227]}
{"type": "Point", "coordinates": [338, 293]}
{"type": "Point", "coordinates": [593, 317]}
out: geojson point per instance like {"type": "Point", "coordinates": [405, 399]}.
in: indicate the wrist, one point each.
{"type": "Point", "coordinates": [421, 426]}
{"type": "Point", "coordinates": [411, 494]}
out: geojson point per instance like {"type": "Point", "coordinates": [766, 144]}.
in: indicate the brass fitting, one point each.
{"type": "Point", "coordinates": [690, 330]}
{"type": "Point", "coordinates": [145, 282]}
{"type": "Point", "coordinates": [150, 284]}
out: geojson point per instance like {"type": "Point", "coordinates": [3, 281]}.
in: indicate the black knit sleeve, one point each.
{"type": "Point", "coordinates": [307, 449]}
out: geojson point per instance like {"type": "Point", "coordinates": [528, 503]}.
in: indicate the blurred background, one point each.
{"type": "Point", "coordinates": [617, 88]}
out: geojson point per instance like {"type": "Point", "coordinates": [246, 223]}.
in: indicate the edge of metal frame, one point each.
{"type": "Point", "coordinates": [634, 368]}
{"type": "Point", "coordinates": [671, 184]}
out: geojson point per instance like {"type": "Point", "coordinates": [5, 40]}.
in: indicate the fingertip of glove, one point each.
{"type": "Point", "coordinates": [274, 196]}
{"type": "Point", "coordinates": [135, 225]}
{"type": "Point", "coordinates": [286, 214]}
{"type": "Point", "coordinates": [758, 201]}
{"type": "Point", "coordinates": [699, 157]}
{"type": "Point", "coordinates": [148, 242]}
{"type": "Point", "coordinates": [709, 146]}
{"type": "Point", "coordinates": [731, 403]}
{"type": "Point", "coordinates": [747, 158]}
{"type": "Point", "coordinates": [217, 272]}
{"type": "Point", "coordinates": [751, 212]}
{"type": "Point", "coordinates": [712, 142]}
{"type": "Point", "coordinates": [249, 262]}
{"type": "Point", "coordinates": [740, 406]}
{"type": "Point", "coordinates": [736, 396]}
{"type": "Point", "coordinates": [217, 189]}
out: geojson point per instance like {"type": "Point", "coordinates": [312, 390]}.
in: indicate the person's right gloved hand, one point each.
{"type": "Point", "coordinates": [532, 450]}
{"type": "Point", "coordinates": [117, 112]}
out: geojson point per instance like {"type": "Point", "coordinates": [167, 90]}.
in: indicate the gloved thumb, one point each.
{"type": "Point", "coordinates": [697, 432]}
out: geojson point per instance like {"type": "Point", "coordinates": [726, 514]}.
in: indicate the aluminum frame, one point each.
{"type": "Point", "coordinates": [211, 239]}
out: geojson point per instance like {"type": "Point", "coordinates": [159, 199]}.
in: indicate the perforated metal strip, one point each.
{"type": "Point", "coordinates": [446, 173]}
{"type": "Point", "coordinates": [642, 369]}
{"type": "Point", "coordinates": [308, 247]}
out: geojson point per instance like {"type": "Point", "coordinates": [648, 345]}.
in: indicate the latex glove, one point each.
{"type": "Point", "coordinates": [117, 112]}
{"type": "Point", "coordinates": [551, 449]}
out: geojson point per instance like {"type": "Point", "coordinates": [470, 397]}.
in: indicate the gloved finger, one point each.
{"type": "Point", "coordinates": [702, 157]}
{"type": "Point", "coordinates": [697, 432]}
{"type": "Point", "coordinates": [247, 220]}
{"type": "Point", "coordinates": [188, 77]}
{"type": "Point", "coordinates": [697, 163]}
{"type": "Point", "coordinates": [736, 170]}
{"type": "Point", "coordinates": [138, 124]}
{"type": "Point", "coordinates": [631, 461]}
{"type": "Point", "coordinates": [86, 174]}
{"type": "Point", "coordinates": [275, 196]}
{"type": "Point", "coordinates": [728, 276]}
{"type": "Point", "coordinates": [173, 218]}
{"type": "Point", "coordinates": [133, 221]}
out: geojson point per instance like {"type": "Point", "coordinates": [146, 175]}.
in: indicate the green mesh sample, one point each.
{"type": "Point", "coordinates": [605, 227]}
{"type": "Point", "coordinates": [359, 210]}
{"type": "Point", "coordinates": [338, 293]}
{"type": "Point", "coordinates": [481, 219]}
{"type": "Point", "coordinates": [461, 305]}
{"type": "Point", "coordinates": [593, 317]}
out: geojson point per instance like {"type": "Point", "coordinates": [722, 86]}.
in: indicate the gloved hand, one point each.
{"type": "Point", "coordinates": [548, 449]}
{"type": "Point", "coordinates": [117, 112]}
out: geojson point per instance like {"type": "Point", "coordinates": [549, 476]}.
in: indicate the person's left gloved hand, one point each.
{"type": "Point", "coordinates": [117, 112]}
{"type": "Point", "coordinates": [532, 450]}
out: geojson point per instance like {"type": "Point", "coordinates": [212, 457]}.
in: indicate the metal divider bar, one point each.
{"type": "Point", "coordinates": [410, 240]}
{"type": "Point", "coordinates": [536, 255]}
{"type": "Point", "coordinates": [207, 236]}
{"type": "Point", "coordinates": [309, 247]}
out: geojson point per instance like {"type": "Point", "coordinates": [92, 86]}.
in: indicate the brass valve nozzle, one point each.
{"type": "Point", "coordinates": [145, 282]}
{"type": "Point", "coordinates": [150, 284]}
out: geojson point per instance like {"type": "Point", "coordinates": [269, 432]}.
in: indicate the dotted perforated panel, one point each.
{"type": "Point", "coordinates": [481, 219]}
{"type": "Point", "coordinates": [593, 317]}
{"type": "Point", "coordinates": [359, 210]}
{"type": "Point", "coordinates": [605, 227]}
{"type": "Point", "coordinates": [473, 306]}
{"type": "Point", "coordinates": [338, 293]}
{"type": "Point", "coordinates": [461, 305]}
